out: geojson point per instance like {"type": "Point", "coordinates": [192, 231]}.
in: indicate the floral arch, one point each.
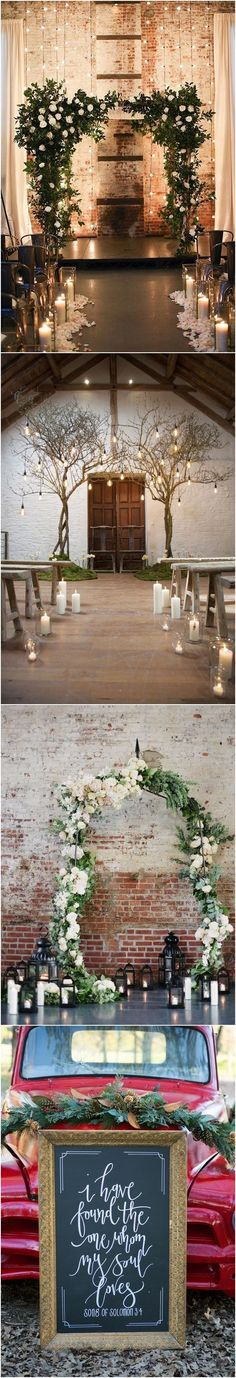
{"type": "Point", "coordinates": [198, 840]}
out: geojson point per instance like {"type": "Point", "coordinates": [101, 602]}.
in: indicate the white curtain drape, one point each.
{"type": "Point", "coordinates": [14, 187]}
{"type": "Point", "coordinates": [224, 66]}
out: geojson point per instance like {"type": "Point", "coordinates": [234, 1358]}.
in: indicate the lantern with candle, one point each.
{"type": "Point", "coordinates": [146, 977]}
{"type": "Point", "coordinates": [121, 981]}
{"type": "Point", "coordinates": [67, 992]}
{"type": "Point", "coordinates": [205, 987]}
{"type": "Point", "coordinates": [223, 981]}
{"type": "Point", "coordinates": [176, 994]}
{"type": "Point", "coordinates": [42, 965]}
{"type": "Point", "coordinates": [171, 960]}
{"type": "Point", "coordinates": [27, 997]}
{"type": "Point", "coordinates": [130, 975]}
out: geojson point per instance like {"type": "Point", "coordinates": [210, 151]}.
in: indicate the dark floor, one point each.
{"type": "Point", "coordinates": [139, 1009]}
{"type": "Point", "coordinates": [131, 308]}
{"type": "Point", "coordinates": [208, 1352]}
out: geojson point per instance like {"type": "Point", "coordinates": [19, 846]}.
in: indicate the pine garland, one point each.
{"type": "Point", "coordinates": [115, 1107]}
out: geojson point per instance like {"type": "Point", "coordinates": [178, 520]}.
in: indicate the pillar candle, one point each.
{"type": "Point", "coordinates": [45, 624]}
{"type": "Point", "coordinates": [222, 331]}
{"type": "Point", "coordinates": [214, 992]}
{"type": "Point", "coordinates": [175, 606]}
{"type": "Point", "coordinates": [225, 659]}
{"type": "Point", "coordinates": [62, 587]}
{"type": "Point", "coordinates": [61, 603]}
{"type": "Point", "coordinates": [187, 987]}
{"type": "Point", "coordinates": [189, 287]}
{"type": "Point", "coordinates": [45, 337]}
{"type": "Point", "coordinates": [194, 629]}
{"type": "Point", "coordinates": [165, 597]}
{"type": "Point", "coordinates": [157, 597]}
{"type": "Point", "coordinates": [60, 309]}
{"type": "Point", "coordinates": [75, 601]}
{"type": "Point", "coordinates": [12, 997]}
{"type": "Point", "coordinates": [203, 307]}
{"type": "Point", "coordinates": [40, 994]}
{"type": "Point", "coordinates": [218, 687]}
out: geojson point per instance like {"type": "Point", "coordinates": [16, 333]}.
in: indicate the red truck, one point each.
{"type": "Point", "coordinates": [182, 1062]}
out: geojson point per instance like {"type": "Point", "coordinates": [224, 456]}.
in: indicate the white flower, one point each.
{"type": "Point", "coordinates": [164, 118]}
{"type": "Point", "coordinates": [52, 105]}
{"type": "Point", "coordinates": [49, 136]}
{"type": "Point", "coordinates": [48, 208]}
{"type": "Point", "coordinates": [62, 944]}
{"type": "Point", "coordinates": [52, 184]}
{"type": "Point", "coordinates": [42, 124]}
{"type": "Point", "coordinates": [188, 119]}
{"type": "Point", "coordinates": [196, 865]}
{"type": "Point", "coordinates": [89, 107]}
{"type": "Point", "coordinates": [42, 165]}
{"type": "Point", "coordinates": [41, 148]}
{"type": "Point", "coordinates": [68, 119]}
{"type": "Point", "coordinates": [79, 961]}
{"type": "Point", "coordinates": [183, 107]}
{"type": "Point", "coordinates": [81, 109]}
{"type": "Point", "coordinates": [51, 120]}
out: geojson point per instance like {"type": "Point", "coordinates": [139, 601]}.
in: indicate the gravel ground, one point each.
{"type": "Point", "coordinates": [209, 1343]}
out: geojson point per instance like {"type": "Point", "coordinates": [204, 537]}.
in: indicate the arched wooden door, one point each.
{"type": "Point", "coordinates": [116, 522]}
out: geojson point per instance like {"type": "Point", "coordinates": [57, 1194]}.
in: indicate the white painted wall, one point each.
{"type": "Point", "coordinates": [203, 524]}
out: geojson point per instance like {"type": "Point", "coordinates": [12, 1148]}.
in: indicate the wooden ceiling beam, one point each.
{"type": "Point", "coordinates": [74, 367]}
{"type": "Point", "coordinates": [171, 365]}
{"type": "Point", "coordinates": [144, 368]}
{"type": "Point", "coordinates": [188, 396]}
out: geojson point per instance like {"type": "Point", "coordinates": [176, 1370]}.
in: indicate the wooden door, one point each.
{"type": "Point", "coordinates": [116, 522]}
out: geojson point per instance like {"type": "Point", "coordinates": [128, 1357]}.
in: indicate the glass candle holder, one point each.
{"type": "Point", "coordinates": [177, 645]}
{"type": "Point", "coordinates": [226, 657]}
{"type": "Point", "coordinates": [32, 649]}
{"type": "Point", "coordinates": [217, 684]}
{"type": "Point", "coordinates": [231, 309]}
{"type": "Point", "coordinates": [194, 628]}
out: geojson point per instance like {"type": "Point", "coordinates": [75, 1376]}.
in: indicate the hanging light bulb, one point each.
{"type": "Point", "coordinates": [188, 464]}
{"type": "Point", "coordinates": [114, 438]}
{"type": "Point", "coordinates": [122, 477]}
{"type": "Point", "coordinates": [215, 488]}
{"type": "Point", "coordinates": [104, 454]}
{"type": "Point", "coordinates": [109, 483]}
{"type": "Point", "coordinates": [177, 471]}
{"type": "Point", "coordinates": [39, 464]}
{"type": "Point", "coordinates": [90, 487]}
{"type": "Point", "coordinates": [139, 454]}
{"type": "Point", "coordinates": [25, 473]}
{"type": "Point", "coordinates": [40, 492]}
{"type": "Point", "coordinates": [189, 480]}
{"type": "Point", "coordinates": [175, 431]}
{"type": "Point", "coordinates": [22, 510]}
{"type": "Point", "coordinates": [27, 429]}
{"type": "Point", "coordinates": [179, 501]}
{"type": "Point", "coordinates": [142, 497]}
{"type": "Point", "coordinates": [157, 433]}
{"type": "Point", "coordinates": [72, 450]}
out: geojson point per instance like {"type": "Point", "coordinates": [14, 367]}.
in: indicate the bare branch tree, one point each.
{"type": "Point", "coordinates": [169, 457]}
{"type": "Point", "coordinates": [63, 445]}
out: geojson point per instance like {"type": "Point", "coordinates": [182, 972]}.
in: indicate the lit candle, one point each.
{"type": "Point", "coordinates": [225, 659]}
{"type": "Point", "coordinates": [69, 289]}
{"type": "Point", "coordinates": [64, 996]}
{"type": "Point", "coordinates": [203, 307]}
{"type": "Point", "coordinates": [60, 309]}
{"type": "Point", "coordinates": [189, 287]}
{"type": "Point", "coordinates": [62, 586]}
{"type": "Point", "coordinates": [61, 603]}
{"type": "Point", "coordinates": [40, 994]}
{"type": "Point", "coordinates": [194, 629]}
{"type": "Point", "coordinates": [157, 597]}
{"type": "Point", "coordinates": [175, 606]}
{"type": "Point", "coordinates": [214, 992]}
{"type": "Point", "coordinates": [75, 601]}
{"type": "Point", "coordinates": [178, 647]}
{"type": "Point", "coordinates": [45, 624]}
{"type": "Point", "coordinates": [32, 655]}
{"type": "Point", "coordinates": [165, 598]}
{"type": "Point", "coordinates": [232, 326]}
{"type": "Point", "coordinates": [45, 337]}
{"type": "Point", "coordinates": [12, 997]}
{"type": "Point", "coordinates": [187, 987]}
{"type": "Point", "coordinates": [222, 331]}
{"type": "Point", "coordinates": [218, 687]}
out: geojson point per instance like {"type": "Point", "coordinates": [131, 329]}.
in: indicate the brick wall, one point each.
{"type": "Point", "coordinates": [138, 894]}
{"type": "Point", "coordinates": [125, 47]}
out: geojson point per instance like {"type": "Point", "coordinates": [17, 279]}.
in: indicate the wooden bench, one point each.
{"type": "Point", "coordinates": [216, 572]}
{"type": "Point", "coordinates": [29, 573]}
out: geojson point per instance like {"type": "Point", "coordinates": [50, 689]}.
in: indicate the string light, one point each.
{"type": "Point", "coordinates": [40, 491]}
{"type": "Point", "coordinates": [130, 382]}
{"type": "Point", "coordinates": [177, 471]}
{"type": "Point", "coordinates": [90, 487]}
{"type": "Point", "coordinates": [157, 433]}
{"type": "Point", "coordinates": [27, 429]}
{"type": "Point", "coordinates": [25, 473]}
{"type": "Point", "coordinates": [109, 483]}
{"type": "Point", "coordinates": [215, 488]}
{"type": "Point", "coordinates": [122, 477]}
{"type": "Point", "coordinates": [22, 510]}
{"type": "Point", "coordinates": [86, 380]}
{"type": "Point", "coordinates": [175, 431]}
{"type": "Point", "coordinates": [39, 464]}
{"type": "Point", "coordinates": [179, 501]}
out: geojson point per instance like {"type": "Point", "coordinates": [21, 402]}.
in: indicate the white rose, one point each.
{"type": "Point", "coordinates": [47, 209]}
{"type": "Point", "coordinates": [42, 164]}
{"type": "Point", "coordinates": [42, 124]}
{"type": "Point", "coordinates": [62, 944]}
{"type": "Point", "coordinates": [89, 107]}
{"type": "Point", "coordinates": [164, 118]}
{"type": "Point", "coordinates": [41, 148]}
{"type": "Point", "coordinates": [183, 107]}
{"type": "Point", "coordinates": [80, 883]}
{"type": "Point", "coordinates": [188, 119]}
{"type": "Point", "coordinates": [71, 916]}
{"type": "Point", "coordinates": [79, 961]}
{"type": "Point", "coordinates": [68, 119]}
{"type": "Point", "coordinates": [49, 136]}
{"type": "Point", "coordinates": [52, 105]}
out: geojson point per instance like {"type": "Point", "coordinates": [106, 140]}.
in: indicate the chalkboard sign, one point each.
{"type": "Point", "coordinates": [112, 1238]}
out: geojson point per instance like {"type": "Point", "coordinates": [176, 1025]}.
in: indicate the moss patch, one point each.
{"type": "Point", "coordinates": [71, 572]}
{"type": "Point", "coordinates": [159, 571]}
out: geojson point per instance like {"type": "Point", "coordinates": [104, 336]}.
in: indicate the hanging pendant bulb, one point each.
{"type": "Point", "coordinates": [122, 477]}
{"type": "Point", "coordinates": [188, 465]}
{"type": "Point", "coordinates": [179, 501]}
{"type": "Point", "coordinates": [157, 433]}
{"type": "Point", "coordinates": [39, 464]}
{"type": "Point", "coordinates": [25, 474]}
{"type": "Point", "coordinates": [114, 438]}
{"type": "Point", "coordinates": [40, 492]}
{"type": "Point", "coordinates": [177, 471]}
{"type": "Point", "coordinates": [175, 431]}
{"type": "Point", "coordinates": [215, 488]}
{"type": "Point", "coordinates": [22, 510]}
{"type": "Point", "coordinates": [104, 455]}
{"type": "Point", "coordinates": [27, 429]}
{"type": "Point", "coordinates": [139, 454]}
{"type": "Point", "coordinates": [189, 481]}
{"type": "Point", "coordinates": [109, 483]}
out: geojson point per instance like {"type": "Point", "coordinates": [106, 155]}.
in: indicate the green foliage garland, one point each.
{"type": "Point", "coordinates": [115, 1107]}
{"type": "Point", "coordinates": [49, 127]}
{"type": "Point", "coordinates": [198, 841]}
{"type": "Point", "coordinates": [176, 121]}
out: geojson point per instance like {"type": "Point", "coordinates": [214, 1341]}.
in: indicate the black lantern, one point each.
{"type": "Point", "coordinates": [176, 994]}
{"type": "Point", "coordinates": [121, 981]}
{"type": "Point", "coordinates": [171, 960]}
{"type": "Point", "coordinates": [223, 981]}
{"type": "Point", "coordinates": [21, 972]}
{"type": "Point", "coordinates": [205, 987]}
{"type": "Point", "coordinates": [67, 992]}
{"type": "Point", "coordinates": [27, 997]}
{"type": "Point", "coordinates": [42, 966]}
{"type": "Point", "coordinates": [130, 975]}
{"type": "Point", "coordinates": [146, 977]}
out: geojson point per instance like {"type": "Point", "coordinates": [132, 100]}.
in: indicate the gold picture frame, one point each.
{"type": "Point", "coordinates": [174, 1337]}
